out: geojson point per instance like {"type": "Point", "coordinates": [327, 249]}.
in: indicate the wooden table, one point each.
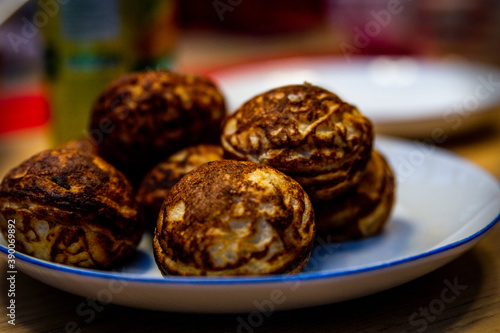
{"type": "Point", "coordinates": [476, 308]}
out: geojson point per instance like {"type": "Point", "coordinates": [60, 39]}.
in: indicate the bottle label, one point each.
{"type": "Point", "coordinates": [90, 20]}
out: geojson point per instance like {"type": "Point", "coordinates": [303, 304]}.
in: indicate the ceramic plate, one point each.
{"type": "Point", "coordinates": [402, 96]}
{"type": "Point", "coordinates": [444, 206]}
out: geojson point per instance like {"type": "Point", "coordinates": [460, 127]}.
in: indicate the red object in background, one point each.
{"type": "Point", "coordinates": [23, 112]}
{"type": "Point", "coordinates": [375, 27]}
{"type": "Point", "coordinates": [252, 16]}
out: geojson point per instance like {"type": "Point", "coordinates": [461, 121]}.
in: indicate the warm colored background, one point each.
{"type": "Point", "coordinates": [208, 39]}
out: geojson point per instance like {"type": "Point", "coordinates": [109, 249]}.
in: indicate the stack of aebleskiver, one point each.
{"type": "Point", "coordinates": [76, 205]}
{"type": "Point", "coordinates": [325, 144]}
{"type": "Point", "coordinates": [294, 148]}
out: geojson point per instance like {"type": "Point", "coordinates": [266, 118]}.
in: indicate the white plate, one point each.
{"type": "Point", "coordinates": [444, 206]}
{"type": "Point", "coordinates": [402, 96]}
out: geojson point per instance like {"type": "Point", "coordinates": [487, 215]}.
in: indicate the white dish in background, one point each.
{"type": "Point", "coordinates": [402, 96]}
{"type": "Point", "coordinates": [444, 206]}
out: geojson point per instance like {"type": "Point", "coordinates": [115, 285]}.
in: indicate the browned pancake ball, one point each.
{"type": "Point", "coordinates": [234, 218]}
{"type": "Point", "coordinates": [71, 208]}
{"type": "Point", "coordinates": [158, 182]}
{"type": "Point", "coordinates": [141, 118]}
{"type": "Point", "coordinates": [305, 131]}
{"type": "Point", "coordinates": [363, 210]}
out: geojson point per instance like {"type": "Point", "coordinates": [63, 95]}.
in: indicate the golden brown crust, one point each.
{"type": "Point", "coordinates": [364, 209]}
{"type": "Point", "coordinates": [141, 118]}
{"type": "Point", "coordinates": [305, 131]}
{"type": "Point", "coordinates": [198, 155]}
{"type": "Point", "coordinates": [71, 207]}
{"type": "Point", "coordinates": [158, 182]}
{"type": "Point", "coordinates": [234, 218]}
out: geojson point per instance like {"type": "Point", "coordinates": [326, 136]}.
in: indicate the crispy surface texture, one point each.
{"type": "Point", "coordinates": [158, 182]}
{"type": "Point", "coordinates": [305, 131]}
{"type": "Point", "coordinates": [364, 209]}
{"type": "Point", "coordinates": [72, 208]}
{"type": "Point", "coordinates": [234, 218]}
{"type": "Point", "coordinates": [141, 118]}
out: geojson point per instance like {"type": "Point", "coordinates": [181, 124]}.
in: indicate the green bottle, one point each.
{"type": "Point", "coordinates": [89, 43]}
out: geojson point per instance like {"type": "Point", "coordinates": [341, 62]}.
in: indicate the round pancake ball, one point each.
{"type": "Point", "coordinates": [363, 210]}
{"type": "Point", "coordinates": [305, 131]}
{"type": "Point", "coordinates": [141, 118]}
{"type": "Point", "coordinates": [234, 218]}
{"type": "Point", "coordinates": [71, 208]}
{"type": "Point", "coordinates": [158, 182]}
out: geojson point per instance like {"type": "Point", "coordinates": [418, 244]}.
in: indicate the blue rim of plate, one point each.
{"type": "Point", "coordinates": [303, 276]}
{"type": "Point", "coordinates": [307, 276]}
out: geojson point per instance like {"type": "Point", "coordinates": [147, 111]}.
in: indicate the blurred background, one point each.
{"type": "Point", "coordinates": [56, 55]}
